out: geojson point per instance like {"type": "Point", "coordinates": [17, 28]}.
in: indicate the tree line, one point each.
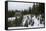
{"type": "Point", "coordinates": [36, 9]}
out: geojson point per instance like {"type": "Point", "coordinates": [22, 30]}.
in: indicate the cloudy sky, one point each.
{"type": "Point", "coordinates": [19, 5]}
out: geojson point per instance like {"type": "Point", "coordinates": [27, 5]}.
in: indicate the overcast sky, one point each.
{"type": "Point", "coordinates": [19, 5]}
